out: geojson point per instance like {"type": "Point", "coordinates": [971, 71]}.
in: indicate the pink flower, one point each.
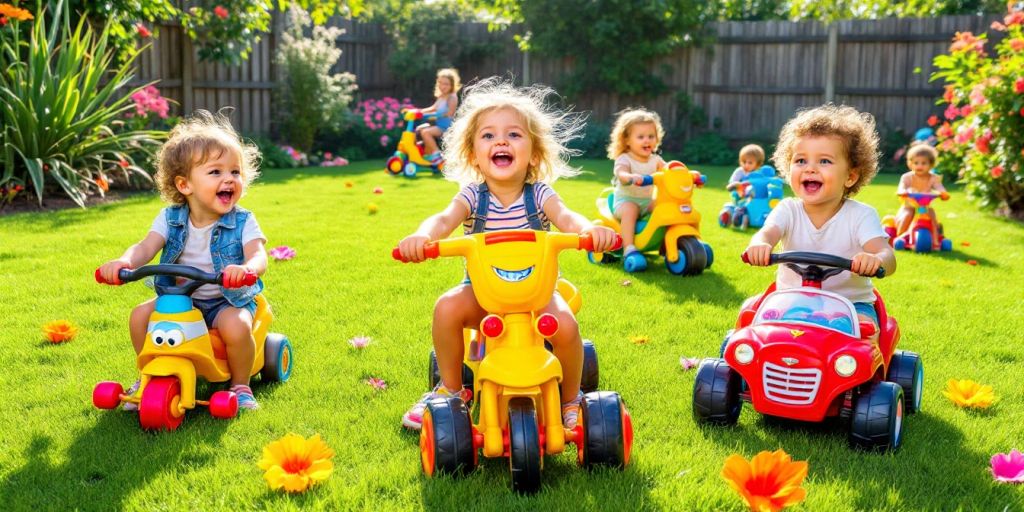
{"type": "Point", "coordinates": [966, 41]}
{"type": "Point", "coordinates": [384, 140]}
{"type": "Point", "coordinates": [950, 112]}
{"type": "Point", "coordinates": [947, 145]}
{"type": "Point", "coordinates": [328, 155]}
{"type": "Point", "coordinates": [1017, 44]}
{"type": "Point", "coordinates": [982, 143]}
{"type": "Point", "coordinates": [1014, 18]}
{"type": "Point", "coordinates": [950, 95]}
{"type": "Point", "coordinates": [1018, 86]}
{"type": "Point", "coordinates": [688, 363]}
{"type": "Point", "coordinates": [377, 384]}
{"type": "Point", "coordinates": [966, 110]}
{"type": "Point", "coordinates": [945, 130]}
{"type": "Point", "coordinates": [282, 253]}
{"type": "Point", "coordinates": [978, 96]}
{"type": "Point", "coordinates": [378, 190]}
{"type": "Point", "coordinates": [965, 136]}
{"type": "Point", "coordinates": [933, 120]}
{"type": "Point", "coordinates": [997, 171]}
{"type": "Point", "coordinates": [220, 12]}
{"type": "Point", "coordinates": [142, 30]}
{"type": "Point", "coordinates": [1008, 467]}
{"type": "Point", "coordinates": [360, 341]}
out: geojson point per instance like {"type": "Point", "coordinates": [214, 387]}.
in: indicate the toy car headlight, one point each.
{"type": "Point", "coordinates": [744, 353]}
{"type": "Point", "coordinates": [845, 365]}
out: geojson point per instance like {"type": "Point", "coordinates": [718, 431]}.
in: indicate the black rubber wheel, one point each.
{"type": "Point", "coordinates": [725, 341]}
{"type": "Point", "coordinates": [434, 374]}
{"type": "Point", "coordinates": [877, 422]}
{"type": "Point", "coordinates": [604, 436]}
{"type": "Point", "coordinates": [523, 446]}
{"type": "Point", "coordinates": [589, 381]}
{"type": "Point", "coordinates": [277, 358]}
{"type": "Point", "coordinates": [447, 434]}
{"type": "Point", "coordinates": [716, 393]}
{"type": "Point", "coordinates": [696, 256]}
{"type": "Point", "coordinates": [907, 370]}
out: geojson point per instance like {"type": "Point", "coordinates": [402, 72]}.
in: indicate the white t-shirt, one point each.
{"type": "Point", "coordinates": [197, 248]}
{"type": "Point", "coordinates": [843, 235]}
{"type": "Point", "coordinates": [627, 163]}
{"type": "Point", "coordinates": [738, 175]}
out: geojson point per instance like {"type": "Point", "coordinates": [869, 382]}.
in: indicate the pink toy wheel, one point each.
{"type": "Point", "coordinates": [224, 404]}
{"type": "Point", "coordinates": [107, 395]}
{"type": "Point", "coordinates": [159, 406]}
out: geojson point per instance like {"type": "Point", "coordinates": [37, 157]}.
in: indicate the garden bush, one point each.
{"type": "Point", "coordinates": [594, 141]}
{"type": "Point", "coordinates": [708, 148]}
{"type": "Point", "coordinates": [63, 102]}
{"type": "Point", "coordinates": [983, 134]}
{"type": "Point", "coordinates": [371, 130]}
{"type": "Point", "coordinates": [308, 94]}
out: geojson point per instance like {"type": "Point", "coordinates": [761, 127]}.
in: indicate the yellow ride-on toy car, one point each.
{"type": "Point", "coordinates": [514, 275]}
{"type": "Point", "coordinates": [179, 348]}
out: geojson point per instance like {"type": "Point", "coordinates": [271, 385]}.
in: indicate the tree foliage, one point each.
{"type": "Point", "coordinates": [833, 10]}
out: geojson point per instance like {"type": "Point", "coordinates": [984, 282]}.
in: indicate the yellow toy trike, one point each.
{"type": "Point", "coordinates": [408, 158]}
{"type": "Point", "coordinates": [672, 228]}
{"type": "Point", "coordinates": [514, 274]}
{"type": "Point", "coordinates": [179, 348]}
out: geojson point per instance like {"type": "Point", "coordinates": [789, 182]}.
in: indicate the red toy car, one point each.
{"type": "Point", "coordinates": [801, 354]}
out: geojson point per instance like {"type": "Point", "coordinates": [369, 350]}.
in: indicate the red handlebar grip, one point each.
{"type": "Point", "coordinates": [248, 279]}
{"type": "Point", "coordinates": [430, 251]}
{"type": "Point", "coordinates": [745, 258]}
{"type": "Point", "coordinates": [100, 280]}
{"type": "Point", "coordinates": [587, 243]}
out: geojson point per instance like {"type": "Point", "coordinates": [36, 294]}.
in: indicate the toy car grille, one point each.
{"type": "Point", "coordinates": [795, 386]}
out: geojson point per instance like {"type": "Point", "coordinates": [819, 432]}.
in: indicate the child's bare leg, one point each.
{"type": "Point", "coordinates": [567, 345]}
{"type": "Point", "coordinates": [138, 323]}
{"type": "Point", "coordinates": [429, 136]}
{"type": "Point", "coordinates": [628, 212]}
{"type": "Point", "coordinates": [903, 219]}
{"type": "Point", "coordinates": [455, 310]}
{"type": "Point", "coordinates": [865, 318]}
{"type": "Point", "coordinates": [935, 228]}
{"type": "Point", "coordinates": [235, 326]}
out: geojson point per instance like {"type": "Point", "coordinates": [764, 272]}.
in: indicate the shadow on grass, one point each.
{"type": "Point", "coordinates": [106, 462]}
{"type": "Point", "coordinates": [932, 450]}
{"type": "Point", "coordinates": [959, 256]}
{"type": "Point", "coordinates": [709, 287]}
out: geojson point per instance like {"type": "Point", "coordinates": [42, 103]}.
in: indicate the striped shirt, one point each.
{"type": "Point", "coordinates": [500, 217]}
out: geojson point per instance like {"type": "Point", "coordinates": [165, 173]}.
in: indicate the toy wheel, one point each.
{"type": "Point", "coordinates": [676, 268]}
{"type": "Point", "coordinates": [907, 371]}
{"type": "Point", "coordinates": [947, 245]}
{"type": "Point", "coordinates": [224, 405]}
{"type": "Point", "coordinates": [277, 358]}
{"type": "Point", "coordinates": [716, 393]}
{"type": "Point", "coordinates": [524, 445]}
{"type": "Point", "coordinates": [744, 221]}
{"type": "Point", "coordinates": [446, 438]}
{"type": "Point", "coordinates": [724, 218]}
{"type": "Point", "coordinates": [877, 422]}
{"type": "Point", "coordinates": [409, 170]}
{"type": "Point", "coordinates": [159, 409]}
{"type": "Point", "coordinates": [607, 431]}
{"type": "Point", "coordinates": [434, 378]}
{"type": "Point", "coordinates": [107, 395]}
{"type": "Point", "coordinates": [589, 381]}
{"type": "Point", "coordinates": [696, 256]}
{"type": "Point", "coordinates": [725, 341]}
{"type": "Point", "coordinates": [891, 233]}
{"type": "Point", "coordinates": [899, 244]}
{"type": "Point", "coordinates": [606, 257]}
{"type": "Point", "coordinates": [709, 253]}
{"type": "Point", "coordinates": [394, 165]}
{"type": "Point", "coordinates": [737, 216]}
{"type": "Point", "coordinates": [634, 262]}
{"type": "Point", "coordinates": [922, 240]}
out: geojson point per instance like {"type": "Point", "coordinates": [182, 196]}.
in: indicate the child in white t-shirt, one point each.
{"type": "Point", "coordinates": [203, 170]}
{"type": "Point", "coordinates": [751, 158]}
{"type": "Point", "coordinates": [827, 154]}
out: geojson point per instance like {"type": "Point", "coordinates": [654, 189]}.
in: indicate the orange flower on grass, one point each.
{"type": "Point", "coordinates": [11, 11]}
{"type": "Point", "coordinates": [967, 393]}
{"type": "Point", "coordinates": [768, 482]}
{"type": "Point", "coordinates": [59, 331]}
{"type": "Point", "coordinates": [295, 463]}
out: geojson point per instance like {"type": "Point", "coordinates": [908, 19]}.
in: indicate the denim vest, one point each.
{"type": "Point", "coordinates": [225, 249]}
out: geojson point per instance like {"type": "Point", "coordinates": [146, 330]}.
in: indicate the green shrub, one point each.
{"type": "Point", "coordinates": [62, 96]}
{"type": "Point", "coordinates": [709, 149]}
{"type": "Point", "coordinates": [594, 142]}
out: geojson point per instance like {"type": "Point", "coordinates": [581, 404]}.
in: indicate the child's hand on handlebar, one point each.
{"type": "Point", "coordinates": [110, 269]}
{"type": "Point", "coordinates": [412, 247]}
{"type": "Point", "coordinates": [234, 276]}
{"type": "Point", "coordinates": [603, 237]}
{"type": "Point", "coordinates": [865, 264]}
{"type": "Point", "coordinates": [758, 254]}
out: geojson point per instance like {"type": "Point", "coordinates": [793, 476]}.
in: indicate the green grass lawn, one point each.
{"type": "Point", "coordinates": [58, 452]}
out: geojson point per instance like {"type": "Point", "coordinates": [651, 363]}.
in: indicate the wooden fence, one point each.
{"type": "Point", "coordinates": [749, 80]}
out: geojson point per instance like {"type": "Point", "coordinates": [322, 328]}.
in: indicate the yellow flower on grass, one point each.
{"type": "Point", "coordinates": [11, 11]}
{"type": "Point", "coordinates": [967, 393]}
{"type": "Point", "coordinates": [296, 463]}
{"type": "Point", "coordinates": [640, 339]}
{"type": "Point", "coordinates": [768, 482]}
{"type": "Point", "coordinates": [59, 331]}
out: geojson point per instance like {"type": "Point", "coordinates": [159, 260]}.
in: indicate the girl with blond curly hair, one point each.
{"type": "Point", "coordinates": [635, 137]}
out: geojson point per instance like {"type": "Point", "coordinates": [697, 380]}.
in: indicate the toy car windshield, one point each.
{"type": "Point", "coordinates": [820, 308]}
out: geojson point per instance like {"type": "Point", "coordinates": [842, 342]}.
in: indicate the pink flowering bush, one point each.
{"type": "Point", "coordinates": [384, 114]}
{"type": "Point", "coordinates": [151, 110]}
{"type": "Point", "coordinates": [982, 135]}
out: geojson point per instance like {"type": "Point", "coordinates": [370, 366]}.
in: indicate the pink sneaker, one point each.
{"type": "Point", "coordinates": [413, 418]}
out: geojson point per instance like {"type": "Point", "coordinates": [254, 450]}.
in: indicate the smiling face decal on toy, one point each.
{"type": "Point", "coordinates": [174, 334]}
{"type": "Point", "coordinates": [513, 276]}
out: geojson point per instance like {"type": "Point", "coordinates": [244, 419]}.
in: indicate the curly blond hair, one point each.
{"type": "Point", "coordinates": [193, 142]}
{"type": "Point", "coordinates": [753, 151]}
{"type": "Point", "coordinates": [451, 74]}
{"type": "Point", "coordinates": [922, 148]}
{"type": "Point", "coordinates": [550, 129]}
{"type": "Point", "coordinates": [625, 121]}
{"type": "Point", "coordinates": [855, 130]}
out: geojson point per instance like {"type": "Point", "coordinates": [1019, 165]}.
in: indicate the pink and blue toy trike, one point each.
{"type": "Point", "coordinates": [919, 237]}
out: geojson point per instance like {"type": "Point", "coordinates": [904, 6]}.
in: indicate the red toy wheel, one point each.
{"type": "Point", "coordinates": [107, 395]}
{"type": "Point", "coordinates": [395, 165]}
{"type": "Point", "coordinates": [159, 406]}
{"type": "Point", "coordinates": [224, 404]}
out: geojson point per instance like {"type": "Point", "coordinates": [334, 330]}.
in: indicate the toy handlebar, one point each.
{"type": "Point", "coordinates": [813, 258]}
{"type": "Point", "coordinates": [433, 249]}
{"type": "Point", "coordinates": [126, 275]}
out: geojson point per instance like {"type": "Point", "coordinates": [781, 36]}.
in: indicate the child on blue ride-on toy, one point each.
{"type": "Point", "coordinates": [753, 199]}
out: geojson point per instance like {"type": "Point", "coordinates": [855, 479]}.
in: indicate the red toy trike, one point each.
{"type": "Point", "coordinates": [802, 354]}
{"type": "Point", "coordinates": [919, 237]}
